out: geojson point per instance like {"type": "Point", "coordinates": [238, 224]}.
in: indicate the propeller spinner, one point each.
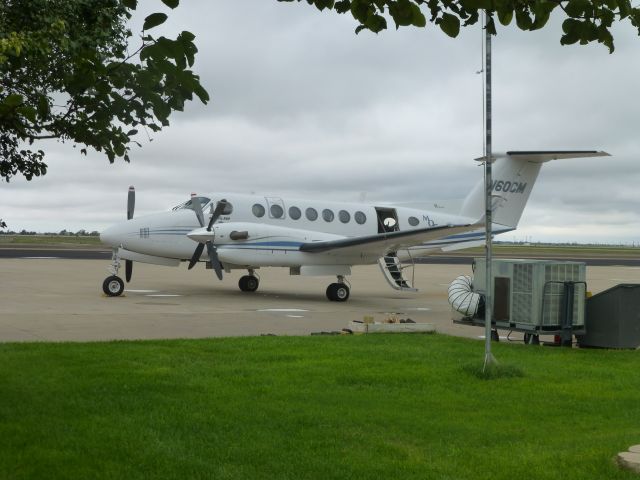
{"type": "Point", "coordinates": [211, 248]}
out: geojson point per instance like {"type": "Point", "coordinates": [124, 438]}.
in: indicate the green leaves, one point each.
{"type": "Point", "coordinates": [586, 21]}
{"type": "Point", "coordinates": [505, 16]}
{"type": "Point", "coordinates": [154, 20]}
{"type": "Point", "coordinates": [405, 12]}
{"type": "Point", "coordinates": [105, 89]}
{"type": "Point", "coordinates": [450, 25]}
{"type": "Point", "coordinates": [577, 8]}
{"type": "Point", "coordinates": [13, 100]}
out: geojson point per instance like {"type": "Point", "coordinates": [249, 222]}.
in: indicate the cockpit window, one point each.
{"type": "Point", "coordinates": [228, 209]}
{"type": "Point", "coordinates": [204, 201]}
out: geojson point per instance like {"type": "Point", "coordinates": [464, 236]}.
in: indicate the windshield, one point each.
{"type": "Point", "coordinates": [204, 201]}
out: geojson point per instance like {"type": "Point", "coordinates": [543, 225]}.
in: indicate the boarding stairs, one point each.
{"type": "Point", "coordinates": [392, 269]}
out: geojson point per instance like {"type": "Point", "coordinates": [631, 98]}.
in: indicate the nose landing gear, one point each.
{"type": "Point", "coordinates": [113, 286]}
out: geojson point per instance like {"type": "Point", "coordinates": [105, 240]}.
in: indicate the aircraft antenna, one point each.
{"type": "Point", "coordinates": [488, 309]}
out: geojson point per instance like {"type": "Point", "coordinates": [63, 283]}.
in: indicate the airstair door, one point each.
{"type": "Point", "coordinates": [387, 220]}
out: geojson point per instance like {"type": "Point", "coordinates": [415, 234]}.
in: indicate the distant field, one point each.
{"type": "Point", "coordinates": [556, 250]}
{"type": "Point", "coordinates": [361, 407]}
{"type": "Point", "coordinates": [49, 240]}
{"type": "Point", "coordinates": [517, 251]}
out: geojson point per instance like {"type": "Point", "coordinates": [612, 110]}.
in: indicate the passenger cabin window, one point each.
{"type": "Point", "coordinates": [360, 218]}
{"type": "Point", "coordinates": [311, 213]}
{"type": "Point", "coordinates": [258, 210]}
{"type": "Point", "coordinates": [295, 213]}
{"type": "Point", "coordinates": [413, 221]}
{"type": "Point", "coordinates": [327, 215]}
{"type": "Point", "coordinates": [344, 216]}
{"type": "Point", "coordinates": [276, 211]}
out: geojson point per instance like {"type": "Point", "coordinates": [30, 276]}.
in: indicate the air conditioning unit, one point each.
{"type": "Point", "coordinates": [530, 294]}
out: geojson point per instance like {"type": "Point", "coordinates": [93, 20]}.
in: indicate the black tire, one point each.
{"type": "Point", "coordinates": [338, 292]}
{"type": "Point", "coordinates": [330, 294]}
{"type": "Point", "coordinates": [248, 283]}
{"type": "Point", "coordinates": [495, 336]}
{"type": "Point", "coordinates": [113, 286]}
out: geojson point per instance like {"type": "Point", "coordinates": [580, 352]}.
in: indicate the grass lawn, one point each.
{"type": "Point", "coordinates": [515, 251]}
{"type": "Point", "coordinates": [362, 407]}
{"type": "Point", "coordinates": [50, 240]}
{"type": "Point", "coordinates": [558, 250]}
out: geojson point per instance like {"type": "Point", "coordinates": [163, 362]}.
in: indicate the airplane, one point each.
{"type": "Point", "coordinates": [318, 237]}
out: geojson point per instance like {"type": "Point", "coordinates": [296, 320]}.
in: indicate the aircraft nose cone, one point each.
{"type": "Point", "coordinates": [110, 237]}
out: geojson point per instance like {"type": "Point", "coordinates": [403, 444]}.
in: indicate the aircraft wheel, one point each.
{"type": "Point", "coordinates": [113, 286]}
{"type": "Point", "coordinates": [248, 283]}
{"type": "Point", "coordinates": [337, 292]}
{"type": "Point", "coordinates": [330, 292]}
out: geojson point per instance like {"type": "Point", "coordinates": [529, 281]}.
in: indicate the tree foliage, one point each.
{"type": "Point", "coordinates": [586, 21]}
{"type": "Point", "coordinates": [68, 71]}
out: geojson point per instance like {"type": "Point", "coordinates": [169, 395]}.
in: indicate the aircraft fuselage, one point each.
{"type": "Point", "coordinates": [276, 227]}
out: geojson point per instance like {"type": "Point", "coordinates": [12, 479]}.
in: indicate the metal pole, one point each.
{"type": "Point", "coordinates": [488, 315]}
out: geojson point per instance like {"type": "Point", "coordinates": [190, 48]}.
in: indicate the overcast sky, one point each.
{"type": "Point", "coordinates": [302, 106]}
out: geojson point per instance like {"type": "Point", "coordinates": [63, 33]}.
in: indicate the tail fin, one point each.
{"type": "Point", "coordinates": [514, 175]}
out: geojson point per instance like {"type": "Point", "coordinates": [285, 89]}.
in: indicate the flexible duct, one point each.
{"type": "Point", "coordinates": [462, 297]}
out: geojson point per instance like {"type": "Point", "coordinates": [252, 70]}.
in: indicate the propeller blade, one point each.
{"type": "Point", "coordinates": [131, 202]}
{"type": "Point", "coordinates": [217, 212]}
{"type": "Point", "coordinates": [196, 255]}
{"type": "Point", "coordinates": [197, 207]}
{"type": "Point", "coordinates": [128, 269]}
{"type": "Point", "coordinates": [215, 262]}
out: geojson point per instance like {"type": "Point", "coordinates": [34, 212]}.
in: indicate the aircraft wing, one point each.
{"type": "Point", "coordinates": [383, 243]}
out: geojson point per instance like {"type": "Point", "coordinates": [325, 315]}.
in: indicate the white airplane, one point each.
{"type": "Point", "coordinates": [317, 237]}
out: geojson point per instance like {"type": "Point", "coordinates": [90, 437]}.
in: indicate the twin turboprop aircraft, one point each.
{"type": "Point", "coordinates": [319, 238]}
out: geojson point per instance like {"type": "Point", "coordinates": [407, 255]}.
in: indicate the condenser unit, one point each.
{"type": "Point", "coordinates": [534, 294]}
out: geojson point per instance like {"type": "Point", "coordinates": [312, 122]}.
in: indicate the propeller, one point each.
{"type": "Point", "coordinates": [131, 202]}
{"type": "Point", "coordinates": [128, 269]}
{"type": "Point", "coordinates": [211, 248]}
{"type": "Point", "coordinates": [131, 205]}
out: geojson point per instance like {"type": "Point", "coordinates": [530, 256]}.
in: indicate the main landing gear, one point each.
{"type": "Point", "coordinates": [249, 283]}
{"type": "Point", "coordinates": [338, 292]}
{"type": "Point", "coordinates": [113, 286]}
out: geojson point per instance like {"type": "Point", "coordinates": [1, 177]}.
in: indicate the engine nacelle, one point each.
{"type": "Point", "coordinates": [244, 232]}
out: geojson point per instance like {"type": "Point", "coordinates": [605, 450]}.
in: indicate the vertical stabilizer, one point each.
{"type": "Point", "coordinates": [514, 175]}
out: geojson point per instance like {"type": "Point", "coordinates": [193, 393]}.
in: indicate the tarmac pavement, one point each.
{"type": "Point", "coordinates": [62, 300]}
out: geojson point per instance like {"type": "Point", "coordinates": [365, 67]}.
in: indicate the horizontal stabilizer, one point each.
{"type": "Point", "coordinates": [541, 156]}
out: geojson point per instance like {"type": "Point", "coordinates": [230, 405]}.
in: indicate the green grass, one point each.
{"type": "Point", "coordinates": [516, 251]}
{"type": "Point", "coordinates": [556, 250]}
{"type": "Point", "coordinates": [50, 240]}
{"type": "Point", "coordinates": [362, 407]}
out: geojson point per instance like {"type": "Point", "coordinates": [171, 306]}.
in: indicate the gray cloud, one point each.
{"type": "Point", "coordinates": [303, 106]}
